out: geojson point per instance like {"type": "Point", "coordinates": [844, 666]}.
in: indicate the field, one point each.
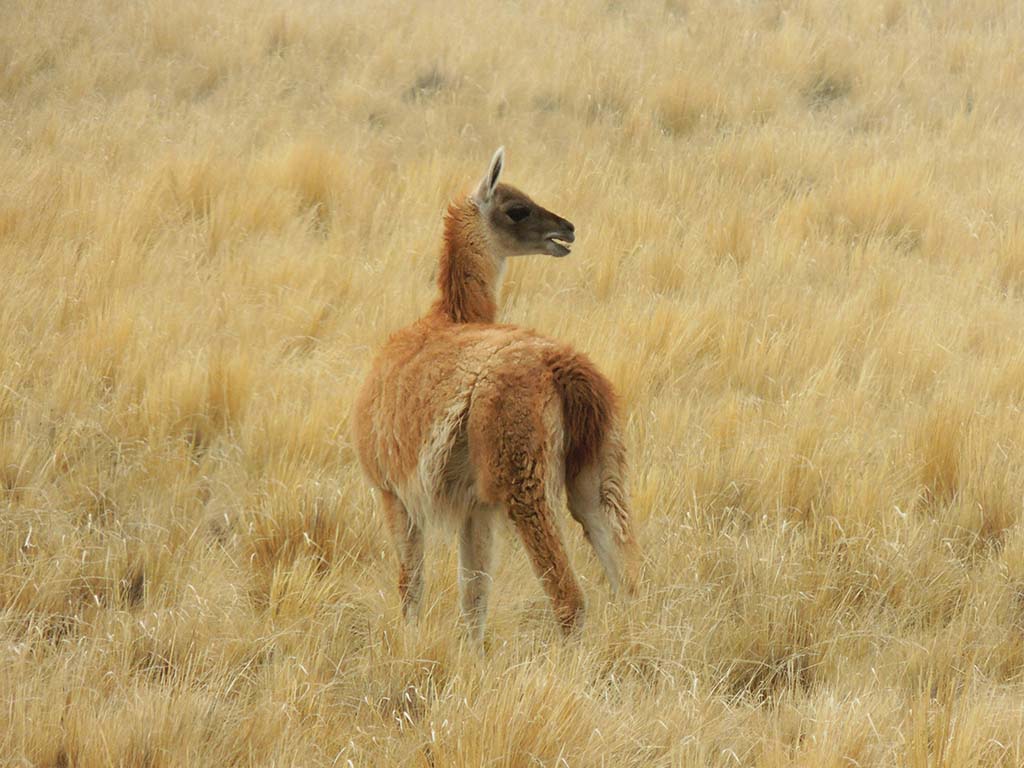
{"type": "Point", "coordinates": [800, 260]}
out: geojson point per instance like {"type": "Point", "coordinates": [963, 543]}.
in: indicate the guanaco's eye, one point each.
{"type": "Point", "coordinates": [518, 212]}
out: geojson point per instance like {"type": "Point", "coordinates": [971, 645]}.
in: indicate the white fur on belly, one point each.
{"type": "Point", "coordinates": [426, 493]}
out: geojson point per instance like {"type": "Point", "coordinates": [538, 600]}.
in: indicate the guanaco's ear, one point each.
{"type": "Point", "coordinates": [485, 190]}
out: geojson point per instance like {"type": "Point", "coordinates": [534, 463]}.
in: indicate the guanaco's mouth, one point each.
{"type": "Point", "coordinates": [558, 245]}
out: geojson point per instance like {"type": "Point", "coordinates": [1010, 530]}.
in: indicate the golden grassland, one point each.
{"type": "Point", "coordinates": [800, 259]}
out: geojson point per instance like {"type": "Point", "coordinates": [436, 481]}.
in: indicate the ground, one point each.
{"type": "Point", "coordinates": [800, 260]}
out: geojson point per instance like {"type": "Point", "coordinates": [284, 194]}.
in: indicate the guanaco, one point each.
{"type": "Point", "coordinates": [462, 418]}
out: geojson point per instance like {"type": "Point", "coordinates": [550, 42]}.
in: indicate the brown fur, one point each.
{"type": "Point", "coordinates": [588, 406]}
{"type": "Point", "coordinates": [463, 418]}
{"type": "Point", "coordinates": [464, 278]}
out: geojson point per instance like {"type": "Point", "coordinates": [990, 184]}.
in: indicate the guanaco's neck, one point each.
{"type": "Point", "coordinates": [468, 276]}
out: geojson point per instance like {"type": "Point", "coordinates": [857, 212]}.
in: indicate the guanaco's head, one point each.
{"type": "Point", "coordinates": [518, 226]}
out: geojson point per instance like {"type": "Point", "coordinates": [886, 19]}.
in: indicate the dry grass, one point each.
{"type": "Point", "coordinates": [801, 259]}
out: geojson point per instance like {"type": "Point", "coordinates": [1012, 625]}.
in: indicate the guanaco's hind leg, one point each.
{"type": "Point", "coordinates": [536, 527]}
{"type": "Point", "coordinates": [408, 540]}
{"type": "Point", "coordinates": [508, 442]}
{"type": "Point", "coordinates": [475, 547]}
{"type": "Point", "coordinates": [598, 503]}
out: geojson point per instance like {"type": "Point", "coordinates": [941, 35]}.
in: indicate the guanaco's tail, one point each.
{"type": "Point", "coordinates": [588, 408]}
{"type": "Point", "coordinates": [595, 464]}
